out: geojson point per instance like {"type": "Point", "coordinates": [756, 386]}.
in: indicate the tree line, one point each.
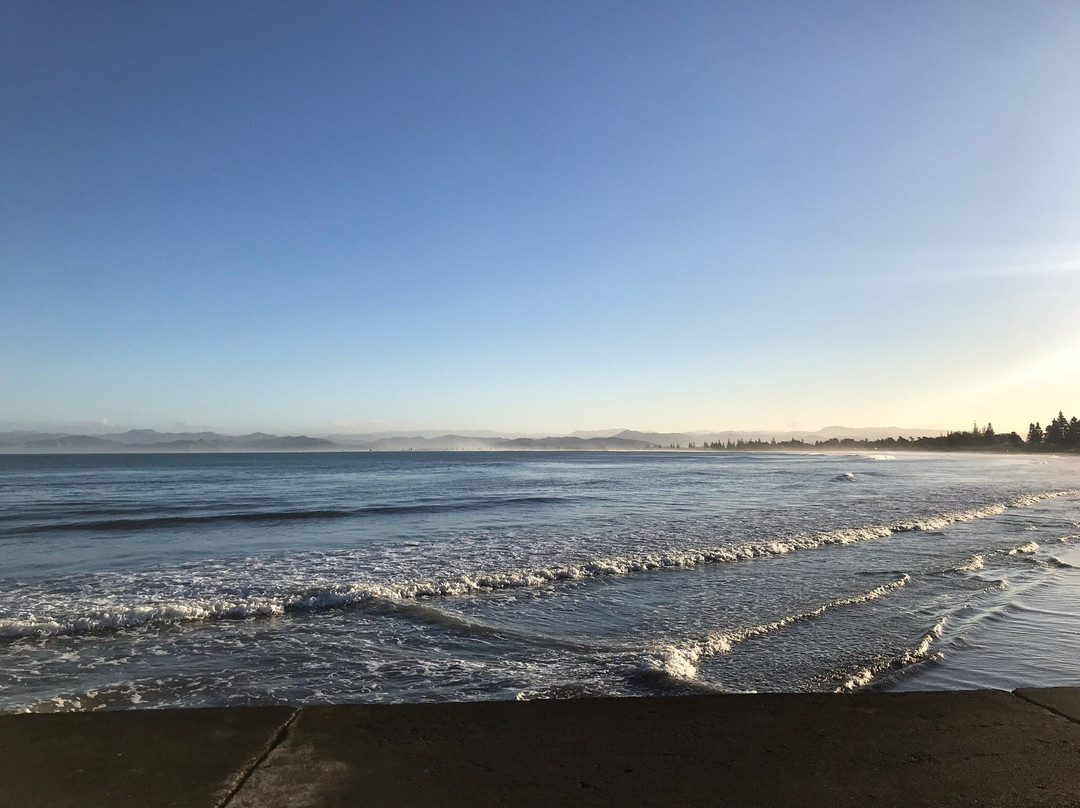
{"type": "Point", "coordinates": [1060, 434]}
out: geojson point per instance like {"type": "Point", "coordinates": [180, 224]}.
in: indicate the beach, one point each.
{"type": "Point", "coordinates": [540, 629]}
{"type": "Point", "coordinates": [539, 404]}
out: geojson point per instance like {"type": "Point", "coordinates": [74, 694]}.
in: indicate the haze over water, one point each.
{"type": "Point", "coordinates": [135, 580]}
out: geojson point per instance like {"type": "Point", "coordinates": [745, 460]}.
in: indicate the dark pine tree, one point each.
{"type": "Point", "coordinates": [1072, 433]}
{"type": "Point", "coordinates": [1055, 431]}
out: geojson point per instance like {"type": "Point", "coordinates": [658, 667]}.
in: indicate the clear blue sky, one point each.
{"type": "Point", "coordinates": [538, 217]}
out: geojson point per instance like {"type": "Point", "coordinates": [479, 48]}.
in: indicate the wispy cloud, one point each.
{"type": "Point", "coordinates": [919, 268]}
{"type": "Point", "coordinates": [992, 272]}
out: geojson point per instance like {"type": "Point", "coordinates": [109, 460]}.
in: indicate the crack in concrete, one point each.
{"type": "Point", "coordinates": [1051, 710]}
{"type": "Point", "coordinates": [275, 741]}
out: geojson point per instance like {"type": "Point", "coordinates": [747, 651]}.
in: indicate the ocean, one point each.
{"type": "Point", "coordinates": [237, 579]}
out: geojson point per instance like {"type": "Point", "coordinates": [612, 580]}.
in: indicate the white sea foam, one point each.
{"type": "Point", "coordinates": [1026, 547]}
{"type": "Point", "coordinates": [922, 651]}
{"type": "Point", "coordinates": [133, 616]}
{"type": "Point", "coordinates": [976, 562]}
{"type": "Point", "coordinates": [680, 661]}
{"type": "Point", "coordinates": [350, 594]}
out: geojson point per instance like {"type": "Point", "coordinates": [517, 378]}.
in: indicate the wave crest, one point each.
{"type": "Point", "coordinates": [135, 523]}
{"type": "Point", "coordinates": [345, 595]}
{"type": "Point", "coordinates": [920, 652]}
{"type": "Point", "coordinates": [681, 661]}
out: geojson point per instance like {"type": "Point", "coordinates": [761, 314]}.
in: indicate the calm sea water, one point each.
{"type": "Point", "coordinates": [161, 580]}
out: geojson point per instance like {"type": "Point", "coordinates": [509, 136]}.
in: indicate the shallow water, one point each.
{"type": "Point", "coordinates": [157, 580]}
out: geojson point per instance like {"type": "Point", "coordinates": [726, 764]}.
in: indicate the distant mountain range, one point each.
{"type": "Point", "coordinates": [149, 440]}
{"type": "Point", "coordinates": [829, 432]}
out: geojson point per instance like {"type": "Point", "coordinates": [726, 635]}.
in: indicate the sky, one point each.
{"type": "Point", "coordinates": [538, 217]}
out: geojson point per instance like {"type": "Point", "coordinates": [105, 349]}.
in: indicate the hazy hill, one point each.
{"type": "Point", "coordinates": [466, 443]}
{"type": "Point", "coordinates": [874, 432]}
{"type": "Point", "coordinates": [69, 443]}
{"type": "Point", "coordinates": [700, 438]}
{"type": "Point", "coordinates": [571, 443]}
{"type": "Point", "coordinates": [149, 440]}
{"type": "Point", "coordinates": [143, 437]}
{"type": "Point", "coordinates": [443, 443]}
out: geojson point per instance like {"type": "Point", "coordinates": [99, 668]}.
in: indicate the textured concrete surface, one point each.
{"type": "Point", "coordinates": [136, 758]}
{"type": "Point", "coordinates": [905, 749]}
{"type": "Point", "coordinates": [1062, 700]}
{"type": "Point", "coordinates": [986, 748]}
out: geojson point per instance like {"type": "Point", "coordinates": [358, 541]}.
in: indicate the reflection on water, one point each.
{"type": "Point", "coordinates": [243, 579]}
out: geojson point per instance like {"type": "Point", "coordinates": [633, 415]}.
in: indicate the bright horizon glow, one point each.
{"type": "Point", "coordinates": [539, 218]}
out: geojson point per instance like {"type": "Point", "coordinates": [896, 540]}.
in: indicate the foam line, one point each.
{"type": "Point", "coordinates": [682, 661]}
{"type": "Point", "coordinates": [336, 596]}
{"type": "Point", "coordinates": [922, 651]}
{"type": "Point", "coordinates": [978, 561]}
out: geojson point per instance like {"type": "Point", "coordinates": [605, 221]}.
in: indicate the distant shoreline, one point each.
{"type": "Point", "coordinates": [808, 450]}
{"type": "Point", "coordinates": [1061, 434]}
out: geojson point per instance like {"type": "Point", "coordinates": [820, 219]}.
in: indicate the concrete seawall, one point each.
{"type": "Point", "coordinates": [987, 748]}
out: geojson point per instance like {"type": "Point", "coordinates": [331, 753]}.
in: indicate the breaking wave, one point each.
{"type": "Point", "coordinates": [1026, 547]}
{"type": "Point", "coordinates": [318, 598]}
{"type": "Point", "coordinates": [922, 651]}
{"type": "Point", "coordinates": [1029, 548]}
{"type": "Point", "coordinates": [976, 562]}
{"type": "Point", "coordinates": [681, 661]}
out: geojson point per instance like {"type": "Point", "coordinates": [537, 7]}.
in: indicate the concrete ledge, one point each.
{"type": "Point", "coordinates": [136, 758]}
{"type": "Point", "coordinates": [1062, 700]}
{"type": "Point", "coordinates": [987, 748]}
